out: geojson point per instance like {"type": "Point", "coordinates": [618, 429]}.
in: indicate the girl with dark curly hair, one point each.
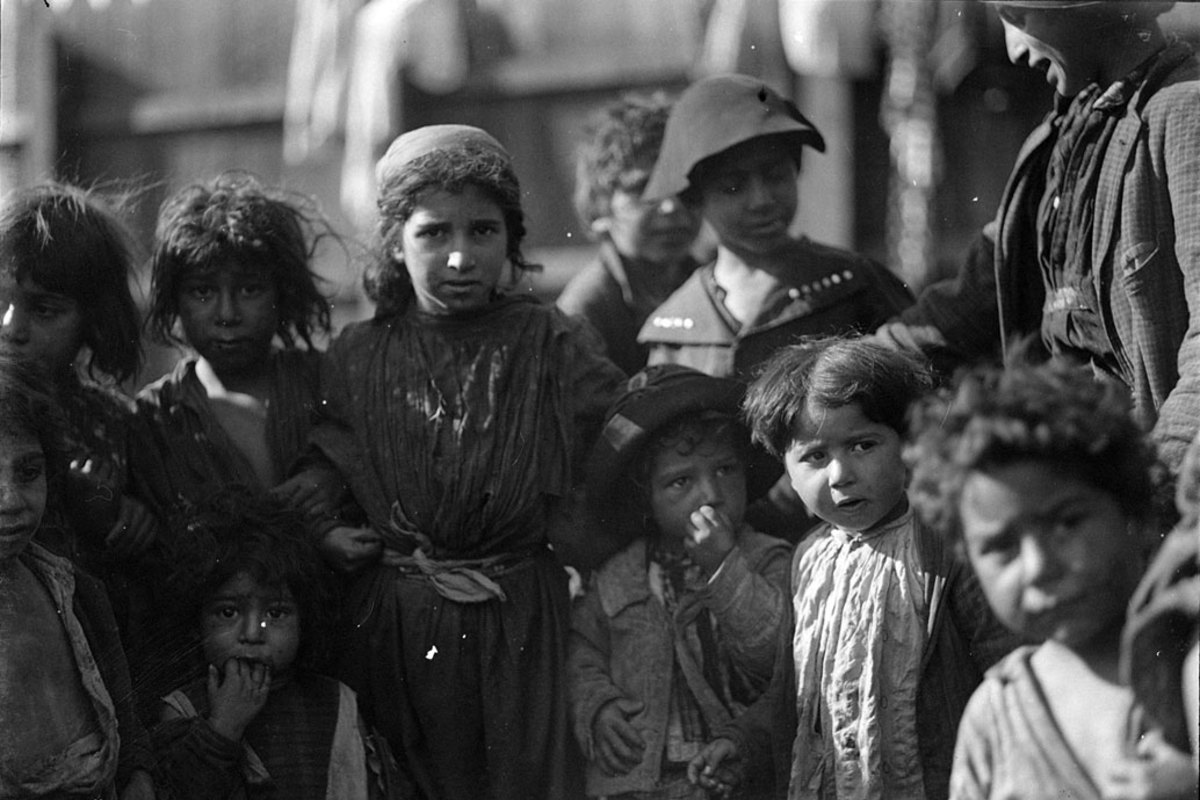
{"type": "Point", "coordinates": [458, 415]}
{"type": "Point", "coordinates": [1046, 477]}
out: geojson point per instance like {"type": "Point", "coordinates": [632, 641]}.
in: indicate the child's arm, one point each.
{"type": "Point", "coordinates": [971, 775]}
{"type": "Point", "coordinates": [600, 710]}
{"type": "Point", "coordinates": [747, 596]}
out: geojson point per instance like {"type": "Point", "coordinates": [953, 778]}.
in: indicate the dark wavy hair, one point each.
{"type": "Point", "coordinates": [831, 372]}
{"type": "Point", "coordinates": [27, 405]}
{"type": "Point", "coordinates": [1054, 412]}
{"type": "Point", "coordinates": [450, 169]}
{"type": "Point", "coordinates": [617, 151]}
{"type": "Point", "coordinates": [72, 241]}
{"type": "Point", "coordinates": [239, 530]}
{"type": "Point", "coordinates": [235, 218]}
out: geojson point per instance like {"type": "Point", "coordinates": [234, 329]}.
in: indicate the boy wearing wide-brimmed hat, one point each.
{"type": "Point", "coordinates": [675, 634]}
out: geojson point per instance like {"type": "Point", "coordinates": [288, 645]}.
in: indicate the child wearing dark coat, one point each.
{"type": "Point", "coordinates": [675, 634]}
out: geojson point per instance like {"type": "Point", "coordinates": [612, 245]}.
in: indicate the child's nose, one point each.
{"type": "Point", "coordinates": [710, 492]}
{"type": "Point", "coordinates": [254, 627]}
{"type": "Point", "coordinates": [1039, 564]}
{"type": "Point", "coordinates": [228, 310]}
{"type": "Point", "coordinates": [840, 472]}
{"type": "Point", "coordinates": [14, 326]}
{"type": "Point", "coordinates": [758, 193]}
{"type": "Point", "coordinates": [460, 260]}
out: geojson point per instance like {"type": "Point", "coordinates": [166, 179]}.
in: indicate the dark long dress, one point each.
{"type": "Point", "coordinates": [456, 436]}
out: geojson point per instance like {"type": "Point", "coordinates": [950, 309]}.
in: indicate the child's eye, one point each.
{"type": "Point", "coordinates": [679, 483]}
{"type": "Point", "coordinates": [223, 612]}
{"type": "Point", "coordinates": [732, 468]}
{"type": "Point", "coordinates": [280, 612]}
{"type": "Point", "coordinates": [431, 231]}
{"type": "Point", "coordinates": [31, 471]}
{"type": "Point", "coordinates": [486, 228]}
{"type": "Point", "coordinates": [253, 290]}
{"type": "Point", "coordinates": [200, 293]}
{"type": "Point", "coordinates": [45, 311]}
{"type": "Point", "coordinates": [812, 457]}
{"type": "Point", "coordinates": [864, 446]}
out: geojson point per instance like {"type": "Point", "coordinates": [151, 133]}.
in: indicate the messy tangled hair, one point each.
{"type": "Point", "coordinates": [235, 218]}
{"type": "Point", "coordinates": [826, 373]}
{"type": "Point", "coordinates": [27, 406]}
{"type": "Point", "coordinates": [238, 530]}
{"type": "Point", "coordinates": [72, 241]}
{"type": "Point", "coordinates": [449, 169]}
{"type": "Point", "coordinates": [617, 152]}
{"type": "Point", "coordinates": [1054, 412]}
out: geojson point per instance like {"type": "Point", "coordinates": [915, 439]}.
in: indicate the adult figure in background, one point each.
{"type": "Point", "coordinates": [1096, 245]}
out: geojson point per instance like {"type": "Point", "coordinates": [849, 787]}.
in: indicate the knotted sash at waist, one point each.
{"type": "Point", "coordinates": [462, 580]}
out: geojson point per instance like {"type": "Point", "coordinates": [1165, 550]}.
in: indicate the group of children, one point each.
{"type": "Point", "coordinates": [340, 574]}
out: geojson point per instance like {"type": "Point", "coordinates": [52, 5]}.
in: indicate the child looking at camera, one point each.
{"type": "Point", "coordinates": [1048, 477]}
{"type": "Point", "coordinates": [459, 415]}
{"type": "Point", "coordinates": [259, 723]}
{"type": "Point", "coordinates": [891, 633]}
{"type": "Point", "coordinates": [676, 633]}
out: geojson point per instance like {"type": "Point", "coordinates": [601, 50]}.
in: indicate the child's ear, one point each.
{"type": "Point", "coordinates": [397, 254]}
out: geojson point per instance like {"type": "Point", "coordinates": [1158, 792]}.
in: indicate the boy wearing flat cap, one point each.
{"type": "Point", "coordinates": [732, 150]}
{"type": "Point", "coordinates": [675, 635]}
{"type": "Point", "coordinates": [1095, 249]}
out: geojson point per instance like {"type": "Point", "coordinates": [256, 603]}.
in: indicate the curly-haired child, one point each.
{"type": "Point", "coordinates": [233, 283]}
{"type": "Point", "coordinates": [1047, 477]}
{"type": "Point", "coordinates": [69, 726]}
{"type": "Point", "coordinates": [260, 723]}
{"type": "Point", "coordinates": [645, 247]}
{"type": "Point", "coordinates": [891, 633]}
{"type": "Point", "coordinates": [457, 415]}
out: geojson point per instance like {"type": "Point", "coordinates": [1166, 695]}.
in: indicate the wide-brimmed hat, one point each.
{"type": "Point", "coordinates": [715, 114]}
{"type": "Point", "coordinates": [411, 145]}
{"type": "Point", "coordinates": [653, 398]}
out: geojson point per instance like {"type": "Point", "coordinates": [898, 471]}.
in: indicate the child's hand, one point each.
{"type": "Point", "coordinates": [314, 491]}
{"type": "Point", "coordinates": [236, 697]}
{"type": "Point", "coordinates": [134, 531]}
{"type": "Point", "coordinates": [618, 745]}
{"type": "Point", "coordinates": [712, 537]}
{"type": "Point", "coordinates": [351, 549]}
{"type": "Point", "coordinates": [709, 769]}
{"type": "Point", "coordinates": [1160, 772]}
{"type": "Point", "coordinates": [92, 482]}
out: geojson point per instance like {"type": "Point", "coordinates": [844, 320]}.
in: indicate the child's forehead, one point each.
{"type": "Point", "coordinates": [232, 267]}
{"type": "Point", "coordinates": [753, 155]}
{"type": "Point", "coordinates": [245, 584]}
{"type": "Point", "coordinates": [817, 422]}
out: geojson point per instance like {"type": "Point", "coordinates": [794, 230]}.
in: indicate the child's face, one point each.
{"type": "Point", "coordinates": [40, 327]}
{"type": "Point", "coordinates": [22, 490]}
{"type": "Point", "coordinates": [455, 248]}
{"type": "Point", "coordinates": [246, 620]}
{"type": "Point", "coordinates": [1057, 558]}
{"type": "Point", "coordinates": [229, 316]}
{"type": "Point", "coordinates": [1054, 43]}
{"type": "Point", "coordinates": [681, 481]}
{"type": "Point", "coordinates": [749, 196]}
{"type": "Point", "coordinates": [847, 468]}
{"type": "Point", "coordinates": [659, 233]}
